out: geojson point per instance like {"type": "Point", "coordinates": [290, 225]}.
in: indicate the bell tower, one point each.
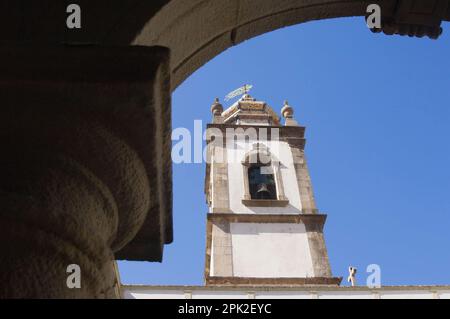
{"type": "Point", "coordinates": [263, 226]}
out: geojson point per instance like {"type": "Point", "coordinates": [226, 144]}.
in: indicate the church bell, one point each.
{"type": "Point", "coordinates": [263, 192]}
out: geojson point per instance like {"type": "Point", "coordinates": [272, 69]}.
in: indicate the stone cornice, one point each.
{"type": "Point", "coordinates": [294, 135]}
{"type": "Point", "coordinates": [307, 219]}
{"type": "Point", "coordinates": [247, 281]}
{"type": "Point", "coordinates": [288, 288]}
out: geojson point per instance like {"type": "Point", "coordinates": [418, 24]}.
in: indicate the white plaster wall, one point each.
{"type": "Point", "coordinates": [283, 152]}
{"type": "Point", "coordinates": [444, 294]}
{"type": "Point", "coordinates": [221, 295]}
{"type": "Point", "coordinates": [270, 250]}
{"type": "Point", "coordinates": [345, 295]}
{"type": "Point", "coordinates": [153, 294]}
{"type": "Point", "coordinates": [410, 295]}
{"type": "Point", "coordinates": [283, 295]}
{"type": "Point", "coordinates": [280, 293]}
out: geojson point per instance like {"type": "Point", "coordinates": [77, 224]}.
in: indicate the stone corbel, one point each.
{"type": "Point", "coordinates": [414, 18]}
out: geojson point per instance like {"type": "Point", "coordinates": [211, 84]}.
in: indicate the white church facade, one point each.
{"type": "Point", "coordinates": [264, 231]}
{"type": "Point", "coordinates": [263, 225]}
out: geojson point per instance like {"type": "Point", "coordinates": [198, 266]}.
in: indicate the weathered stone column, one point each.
{"type": "Point", "coordinates": [83, 132]}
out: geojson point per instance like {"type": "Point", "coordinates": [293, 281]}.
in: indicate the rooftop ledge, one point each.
{"type": "Point", "coordinates": [285, 288]}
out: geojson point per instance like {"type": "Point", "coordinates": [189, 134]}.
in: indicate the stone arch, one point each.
{"type": "Point", "coordinates": [198, 30]}
{"type": "Point", "coordinates": [59, 86]}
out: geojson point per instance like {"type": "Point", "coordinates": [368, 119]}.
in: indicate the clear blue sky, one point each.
{"type": "Point", "coordinates": [377, 113]}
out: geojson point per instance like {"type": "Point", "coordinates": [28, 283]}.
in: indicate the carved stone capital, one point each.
{"type": "Point", "coordinates": [85, 168]}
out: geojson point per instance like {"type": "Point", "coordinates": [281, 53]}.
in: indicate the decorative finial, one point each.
{"type": "Point", "coordinates": [287, 111]}
{"type": "Point", "coordinates": [216, 107]}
